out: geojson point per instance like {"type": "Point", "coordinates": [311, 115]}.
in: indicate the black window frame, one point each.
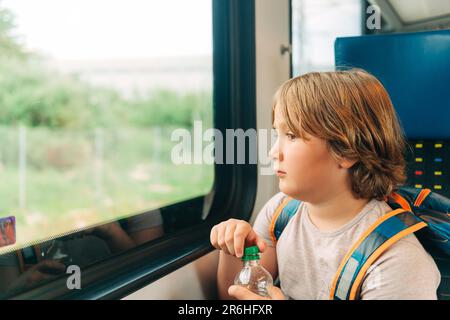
{"type": "Point", "coordinates": [234, 188]}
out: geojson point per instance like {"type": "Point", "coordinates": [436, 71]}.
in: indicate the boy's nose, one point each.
{"type": "Point", "coordinates": [275, 153]}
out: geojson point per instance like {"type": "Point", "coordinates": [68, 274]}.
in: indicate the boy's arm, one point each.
{"type": "Point", "coordinates": [228, 267]}
{"type": "Point", "coordinates": [269, 261]}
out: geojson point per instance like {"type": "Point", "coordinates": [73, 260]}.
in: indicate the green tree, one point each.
{"type": "Point", "coordinates": [31, 94]}
{"type": "Point", "coordinates": [9, 45]}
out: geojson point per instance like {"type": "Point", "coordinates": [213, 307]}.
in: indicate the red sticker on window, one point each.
{"type": "Point", "coordinates": [7, 231]}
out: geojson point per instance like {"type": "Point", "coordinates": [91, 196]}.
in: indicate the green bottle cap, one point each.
{"type": "Point", "coordinates": [251, 253]}
{"type": "Point", "coordinates": [251, 250]}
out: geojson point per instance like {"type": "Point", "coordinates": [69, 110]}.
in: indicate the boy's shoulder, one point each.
{"type": "Point", "coordinates": [407, 250]}
{"type": "Point", "coordinates": [264, 218]}
{"type": "Point", "coordinates": [271, 206]}
{"type": "Point", "coordinates": [273, 203]}
{"type": "Point", "coordinates": [406, 270]}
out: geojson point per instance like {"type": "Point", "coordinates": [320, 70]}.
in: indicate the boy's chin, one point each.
{"type": "Point", "coordinates": [286, 188]}
{"type": "Point", "coordinates": [290, 191]}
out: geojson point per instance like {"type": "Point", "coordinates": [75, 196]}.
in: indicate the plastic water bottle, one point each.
{"type": "Point", "coordinates": [253, 276]}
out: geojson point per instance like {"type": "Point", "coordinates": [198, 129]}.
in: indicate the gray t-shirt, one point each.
{"type": "Point", "coordinates": [308, 259]}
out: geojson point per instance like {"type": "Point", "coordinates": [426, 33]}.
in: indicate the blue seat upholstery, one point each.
{"type": "Point", "coordinates": [415, 69]}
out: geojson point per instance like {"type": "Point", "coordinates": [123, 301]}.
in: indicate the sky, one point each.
{"type": "Point", "coordinates": [114, 29]}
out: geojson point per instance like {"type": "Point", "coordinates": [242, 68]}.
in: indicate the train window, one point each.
{"type": "Point", "coordinates": [89, 101]}
{"type": "Point", "coordinates": [419, 10]}
{"type": "Point", "coordinates": [315, 26]}
{"type": "Point", "coordinates": [92, 101]}
{"type": "Point", "coordinates": [398, 16]}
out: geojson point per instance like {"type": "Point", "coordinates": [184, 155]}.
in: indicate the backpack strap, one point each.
{"type": "Point", "coordinates": [404, 199]}
{"type": "Point", "coordinates": [421, 197]}
{"type": "Point", "coordinates": [285, 211]}
{"type": "Point", "coordinates": [386, 231]}
{"type": "Point", "coordinates": [407, 198]}
{"type": "Point", "coordinates": [396, 200]}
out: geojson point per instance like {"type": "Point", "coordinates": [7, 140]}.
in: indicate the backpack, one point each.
{"type": "Point", "coordinates": [419, 211]}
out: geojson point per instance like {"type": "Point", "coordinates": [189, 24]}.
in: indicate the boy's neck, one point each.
{"type": "Point", "coordinates": [336, 211]}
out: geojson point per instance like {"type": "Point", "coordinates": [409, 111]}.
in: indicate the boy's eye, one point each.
{"type": "Point", "coordinates": [290, 136]}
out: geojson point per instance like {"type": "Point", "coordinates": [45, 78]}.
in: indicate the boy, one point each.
{"type": "Point", "coordinates": [340, 151]}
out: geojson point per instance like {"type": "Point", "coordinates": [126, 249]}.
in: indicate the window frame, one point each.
{"type": "Point", "coordinates": [234, 187]}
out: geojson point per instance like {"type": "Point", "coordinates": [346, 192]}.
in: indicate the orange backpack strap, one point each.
{"type": "Point", "coordinates": [386, 231]}
{"type": "Point", "coordinates": [401, 201]}
{"type": "Point", "coordinates": [421, 197]}
{"type": "Point", "coordinates": [285, 211]}
{"type": "Point", "coordinates": [406, 199]}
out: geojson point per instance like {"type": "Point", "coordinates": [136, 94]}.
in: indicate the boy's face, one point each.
{"type": "Point", "coordinates": [306, 168]}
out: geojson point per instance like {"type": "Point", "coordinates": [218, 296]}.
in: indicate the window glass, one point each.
{"type": "Point", "coordinates": [420, 10]}
{"type": "Point", "coordinates": [91, 92]}
{"type": "Point", "coordinates": [315, 26]}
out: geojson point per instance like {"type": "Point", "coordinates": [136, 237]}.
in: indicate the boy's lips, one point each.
{"type": "Point", "coordinates": [280, 173]}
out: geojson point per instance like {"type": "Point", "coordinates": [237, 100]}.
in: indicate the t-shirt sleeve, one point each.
{"type": "Point", "coordinates": [404, 272]}
{"type": "Point", "coordinates": [264, 218]}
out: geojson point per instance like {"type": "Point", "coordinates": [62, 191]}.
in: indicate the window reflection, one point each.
{"type": "Point", "coordinates": [26, 268]}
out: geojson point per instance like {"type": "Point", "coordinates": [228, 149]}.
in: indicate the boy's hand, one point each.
{"type": "Point", "coordinates": [242, 293]}
{"type": "Point", "coordinates": [233, 235]}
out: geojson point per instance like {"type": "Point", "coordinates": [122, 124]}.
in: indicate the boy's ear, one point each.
{"type": "Point", "coordinates": [346, 163]}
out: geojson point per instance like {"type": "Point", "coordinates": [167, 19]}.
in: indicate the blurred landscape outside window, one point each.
{"type": "Point", "coordinates": [90, 91]}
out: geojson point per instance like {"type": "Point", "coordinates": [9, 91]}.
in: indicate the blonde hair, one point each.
{"type": "Point", "coordinates": [352, 111]}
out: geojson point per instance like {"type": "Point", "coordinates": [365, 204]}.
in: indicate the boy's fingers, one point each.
{"type": "Point", "coordinates": [221, 238]}
{"type": "Point", "coordinates": [276, 293]}
{"type": "Point", "coordinates": [254, 239]}
{"type": "Point", "coordinates": [229, 238]}
{"type": "Point", "coordinates": [261, 244]}
{"type": "Point", "coordinates": [213, 237]}
{"type": "Point", "coordinates": [239, 238]}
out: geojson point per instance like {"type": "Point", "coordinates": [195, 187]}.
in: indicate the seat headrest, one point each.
{"type": "Point", "coordinates": [415, 70]}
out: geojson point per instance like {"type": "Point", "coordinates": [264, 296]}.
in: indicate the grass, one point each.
{"type": "Point", "coordinates": [75, 185]}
